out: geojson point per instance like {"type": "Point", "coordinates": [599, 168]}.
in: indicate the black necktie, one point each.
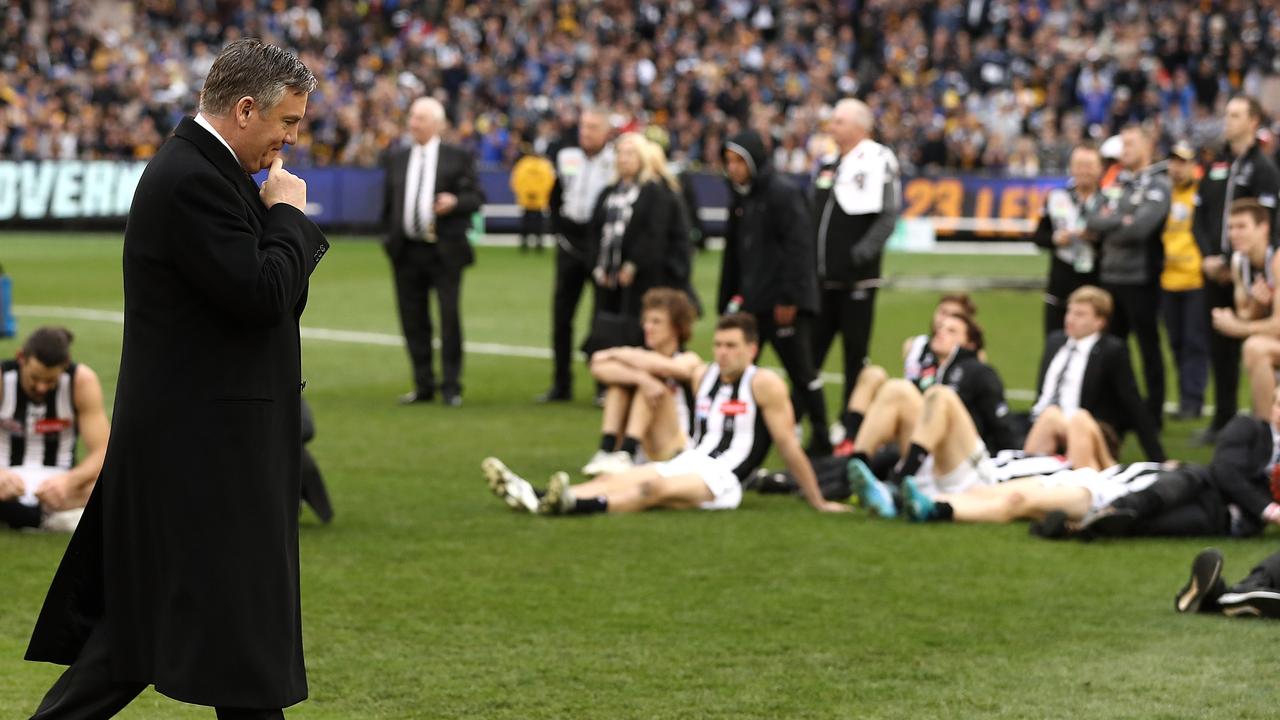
{"type": "Point", "coordinates": [1055, 398]}
{"type": "Point", "coordinates": [417, 197]}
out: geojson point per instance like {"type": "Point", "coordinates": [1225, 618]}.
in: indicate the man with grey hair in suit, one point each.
{"type": "Point", "coordinates": [431, 192]}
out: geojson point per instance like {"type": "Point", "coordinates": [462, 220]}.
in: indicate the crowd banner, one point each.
{"type": "Point", "coordinates": [97, 193]}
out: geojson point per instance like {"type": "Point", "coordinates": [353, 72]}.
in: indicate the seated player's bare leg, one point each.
{"type": "Point", "coordinates": [945, 429]}
{"type": "Point", "coordinates": [1048, 433]}
{"type": "Point", "coordinates": [658, 427]}
{"type": "Point", "coordinates": [891, 418]}
{"type": "Point", "coordinates": [617, 405]}
{"type": "Point", "coordinates": [1261, 357]}
{"type": "Point", "coordinates": [676, 493]}
{"type": "Point", "coordinates": [1073, 500]}
{"type": "Point", "coordinates": [1086, 445]}
{"type": "Point", "coordinates": [607, 484]}
{"type": "Point", "coordinates": [996, 505]}
{"type": "Point", "coordinates": [870, 379]}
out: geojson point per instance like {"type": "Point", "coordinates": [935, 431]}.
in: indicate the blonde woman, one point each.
{"type": "Point", "coordinates": [677, 270]}
{"type": "Point", "coordinates": [629, 228]}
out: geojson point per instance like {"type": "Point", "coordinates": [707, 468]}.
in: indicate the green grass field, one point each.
{"type": "Point", "coordinates": [427, 598]}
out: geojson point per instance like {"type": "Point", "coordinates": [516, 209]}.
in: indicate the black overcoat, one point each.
{"type": "Point", "coordinates": [188, 549]}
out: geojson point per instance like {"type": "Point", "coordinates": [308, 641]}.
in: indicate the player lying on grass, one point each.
{"type": "Point", "coordinates": [1050, 500]}
{"type": "Point", "coordinates": [1258, 595]}
{"type": "Point", "coordinates": [649, 392]}
{"type": "Point", "coordinates": [919, 367]}
{"type": "Point", "coordinates": [1237, 494]}
{"type": "Point", "coordinates": [739, 409]}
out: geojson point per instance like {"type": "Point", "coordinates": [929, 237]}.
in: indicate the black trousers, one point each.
{"type": "Point", "coordinates": [794, 348]}
{"type": "Point", "coordinates": [850, 313]}
{"type": "Point", "coordinates": [1137, 309]}
{"type": "Point", "coordinates": [1224, 356]}
{"type": "Point", "coordinates": [85, 691]}
{"type": "Point", "coordinates": [419, 271]}
{"type": "Point", "coordinates": [1181, 503]}
{"type": "Point", "coordinates": [532, 226]}
{"type": "Point", "coordinates": [573, 273]}
{"type": "Point", "coordinates": [1186, 323]}
{"type": "Point", "coordinates": [18, 516]}
{"type": "Point", "coordinates": [1265, 575]}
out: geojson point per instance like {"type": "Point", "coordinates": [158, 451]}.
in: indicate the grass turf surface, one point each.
{"type": "Point", "coordinates": [427, 598]}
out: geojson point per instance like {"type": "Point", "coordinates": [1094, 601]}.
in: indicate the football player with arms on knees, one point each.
{"type": "Point", "coordinates": [740, 410]}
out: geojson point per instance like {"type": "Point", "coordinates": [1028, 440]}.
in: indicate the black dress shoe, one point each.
{"type": "Point", "coordinates": [1205, 584]}
{"type": "Point", "coordinates": [555, 394]}
{"type": "Point", "coordinates": [453, 400]}
{"type": "Point", "coordinates": [416, 396]}
{"type": "Point", "coordinates": [1109, 522]}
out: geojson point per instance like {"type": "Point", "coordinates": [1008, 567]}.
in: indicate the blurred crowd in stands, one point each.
{"type": "Point", "coordinates": [994, 85]}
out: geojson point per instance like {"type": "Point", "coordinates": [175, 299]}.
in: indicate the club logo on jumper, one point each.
{"type": "Point", "coordinates": [52, 426]}
{"type": "Point", "coordinates": [733, 407]}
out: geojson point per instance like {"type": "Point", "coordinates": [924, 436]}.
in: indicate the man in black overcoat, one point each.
{"type": "Point", "coordinates": [183, 573]}
{"type": "Point", "coordinates": [432, 191]}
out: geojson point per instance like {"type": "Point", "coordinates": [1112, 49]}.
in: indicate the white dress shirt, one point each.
{"type": "Point", "coordinates": [203, 122]}
{"type": "Point", "coordinates": [421, 186]}
{"type": "Point", "coordinates": [1070, 377]}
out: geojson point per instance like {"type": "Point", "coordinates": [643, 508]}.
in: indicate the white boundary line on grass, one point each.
{"type": "Point", "coordinates": [360, 337]}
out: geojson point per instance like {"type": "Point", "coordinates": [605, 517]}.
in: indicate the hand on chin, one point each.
{"type": "Point", "coordinates": [265, 160]}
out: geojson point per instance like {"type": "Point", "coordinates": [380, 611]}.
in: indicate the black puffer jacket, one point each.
{"type": "Point", "coordinates": [768, 255]}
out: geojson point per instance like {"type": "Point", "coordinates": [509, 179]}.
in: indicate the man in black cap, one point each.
{"type": "Point", "coordinates": [769, 271]}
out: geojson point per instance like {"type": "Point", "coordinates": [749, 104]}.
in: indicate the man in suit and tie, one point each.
{"type": "Point", "coordinates": [1085, 370]}
{"type": "Point", "coordinates": [183, 572]}
{"type": "Point", "coordinates": [432, 190]}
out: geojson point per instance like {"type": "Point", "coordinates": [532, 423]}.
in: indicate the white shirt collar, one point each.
{"type": "Point", "coordinates": [430, 146]}
{"type": "Point", "coordinates": [203, 122]}
{"type": "Point", "coordinates": [1085, 344]}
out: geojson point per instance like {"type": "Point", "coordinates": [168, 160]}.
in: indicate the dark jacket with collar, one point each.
{"type": "Point", "coordinates": [1238, 468]}
{"type": "Point", "coordinates": [982, 392]}
{"type": "Point", "coordinates": [1226, 179]}
{"type": "Point", "coordinates": [455, 173]}
{"type": "Point", "coordinates": [768, 254]}
{"type": "Point", "coordinates": [189, 542]}
{"type": "Point", "coordinates": [644, 242]}
{"type": "Point", "coordinates": [1131, 226]}
{"type": "Point", "coordinates": [850, 248]}
{"type": "Point", "coordinates": [1109, 391]}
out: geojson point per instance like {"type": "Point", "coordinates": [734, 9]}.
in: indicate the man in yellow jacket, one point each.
{"type": "Point", "coordinates": [531, 180]}
{"type": "Point", "coordinates": [1182, 283]}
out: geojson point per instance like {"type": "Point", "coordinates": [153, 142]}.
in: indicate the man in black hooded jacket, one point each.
{"type": "Point", "coordinates": [769, 271]}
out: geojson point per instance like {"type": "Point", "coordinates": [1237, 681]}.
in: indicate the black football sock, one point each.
{"type": "Point", "coordinates": [910, 464]}
{"type": "Point", "coordinates": [866, 459]}
{"type": "Point", "coordinates": [608, 442]}
{"type": "Point", "coordinates": [588, 506]}
{"type": "Point", "coordinates": [852, 424]}
{"type": "Point", "coordinates": [942, 512]}
{"type": "Point", "coordinates": [630, 445]}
